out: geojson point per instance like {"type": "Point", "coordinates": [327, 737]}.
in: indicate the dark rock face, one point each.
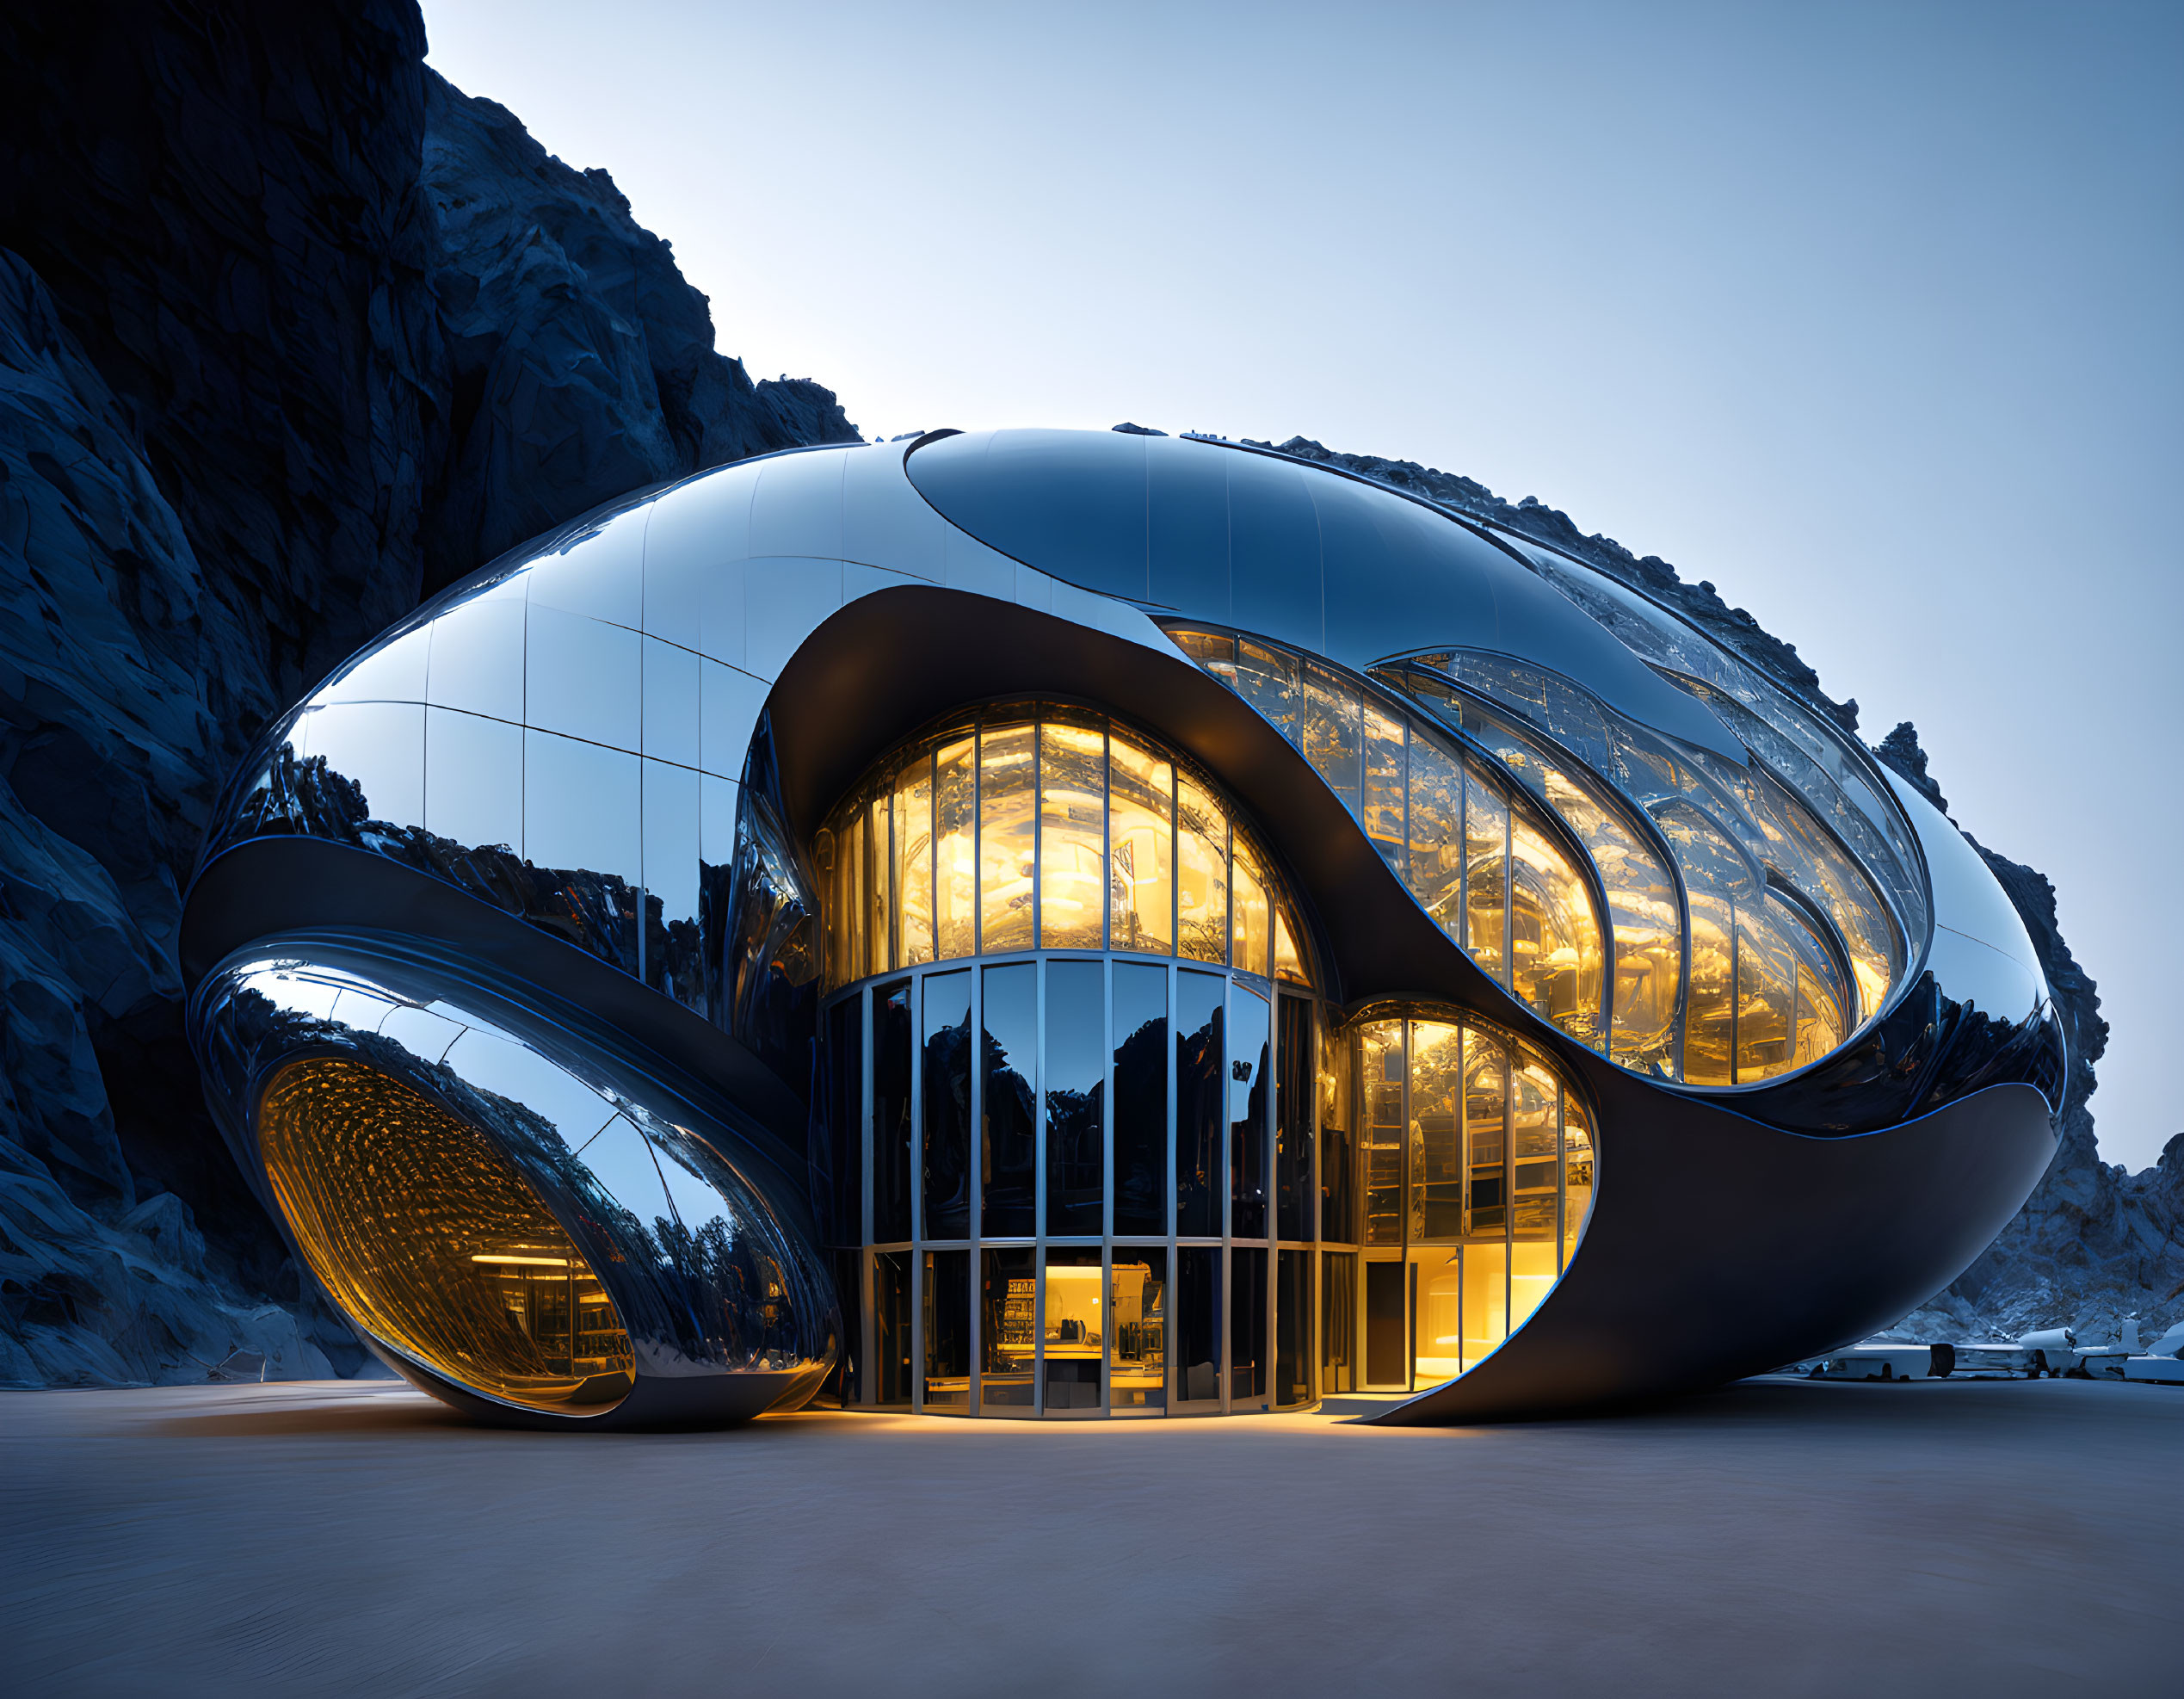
{"type": "Point", "coordinates": [291, 333]}
{"type": "Point", "coordinates": [580, 364]}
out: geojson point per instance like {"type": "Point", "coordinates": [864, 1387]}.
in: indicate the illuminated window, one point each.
{"type": "Point", "coordinates": [1054, 832]}
{"type": "Point", "coordinates": [427, 1238]}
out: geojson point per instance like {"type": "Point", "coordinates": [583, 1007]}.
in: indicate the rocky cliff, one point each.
{"type": "Point", "coordinates": [2094, 1242]}
{"type": "Point", "coordinates": [292, 333]}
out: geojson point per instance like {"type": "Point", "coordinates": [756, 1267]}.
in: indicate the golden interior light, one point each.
{"type": "Point", "coordinates": [430, 1240]}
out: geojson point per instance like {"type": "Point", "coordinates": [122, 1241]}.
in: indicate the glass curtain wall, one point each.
{"type": "Point", "coordinates": [1080, 1171]}
{"type": "Point", "coordinates": [1473, 1169]}
{"type": "Point", "coordinates": [1690, 919]}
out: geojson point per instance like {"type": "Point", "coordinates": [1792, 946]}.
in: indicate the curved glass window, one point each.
{"type": "Point", "coordinates": [1760, 874]}
{"type": "Point", "coordinates": [1824, 766]}
{"type": "Point", "coordinates": [1740, 938]}
{"type": "Point", "coordinates": [1073, 1079]}
{"type": "Point", "coordinates": [426, 1236]}
{"type": "Point", "coordinates": [1479, 857]}
{"type": "Point", "coordinates": [1045, 829]}
{"type": "Point", "coordinates": [1475, 1165]}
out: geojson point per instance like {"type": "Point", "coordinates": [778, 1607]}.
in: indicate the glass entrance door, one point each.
{"type": "Point", "coordinates": [1072, 1331]}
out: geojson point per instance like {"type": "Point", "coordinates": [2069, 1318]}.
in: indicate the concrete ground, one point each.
{"type": "Point", "coordinates": [1775, 1537]}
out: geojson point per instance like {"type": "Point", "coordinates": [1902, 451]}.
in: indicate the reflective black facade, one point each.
{"type": "Point", "coordinates": [1575, 1014]}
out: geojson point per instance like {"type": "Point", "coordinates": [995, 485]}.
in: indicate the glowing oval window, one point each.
{"type": "Point", "coordinates": [431, 1241]}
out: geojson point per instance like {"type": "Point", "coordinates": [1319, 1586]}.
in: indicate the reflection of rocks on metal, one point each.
{"type": "Point", "coordinates": [276, 353]}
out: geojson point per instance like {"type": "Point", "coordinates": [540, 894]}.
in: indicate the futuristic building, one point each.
{"type": "Point", "coordinates": [1064, 924]}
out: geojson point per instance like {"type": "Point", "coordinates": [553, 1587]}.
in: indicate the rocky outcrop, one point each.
{"type": "Point", "coordinates": [580, 364]}
{"type": "Point", "coordinates": [291, 333]}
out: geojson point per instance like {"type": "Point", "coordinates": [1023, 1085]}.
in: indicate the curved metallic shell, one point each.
{"type": "Point", "coordinates": [573, 800]}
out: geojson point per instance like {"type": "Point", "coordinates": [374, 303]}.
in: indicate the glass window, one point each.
{"type": "Point", "coordinates": [1198, 1324]}
{"type": "Point", "coordinates": [1486, 1092]}
{"type": "Point", "coordinates": [1251, 922]}
{"type": "Point", "coordinates": [1140, 1098]}
{"type": "Point", "coordinates": [1338, 1148]}
{"type": "Point", "coordinates": [1436, 1132]}
{"type": "Point", "coordinates": [954, 821]}
{"type": "Point", "coordinates": [1440, 1351]}
{"type": "Point", "coordinates": [1822, 1000]}
{"type": "Point", "coordinates": [1766, 993]}
{"type": "Point", "coordinates": [913, 830]}
{"type": "Point", "coordinates": [1288, 961]}
{"type": "Point", "coordinates": [1054, 833]}
{"type": "Point", "coordinates": [893, 1041]}
{"type": "Point", "coordinates": [878, 930]}
{"type": "Point", "coordinates": [1715, 879]}
{"type": "Point", "coordinates": [1247, 1298]}
{"type": "Point", "coordinates": [1008, 1156]}
{"type": "Point", "coordinates": [1554, 934]}
{"type": "Point", "coordinates": [1293, 1327]}
{"type": "Point", "coordinates": [1333, 732]}
{"type": "Point", "coordinates": [842, 1192]}
{"type": "Point", "coordinates": [1532, 1276]}
{"type": "Point", "coordinates": [1008, 1329]}
{"type": "Point", "coordinates": [1486, 878]}
{"type": "Point", "coordinates": [1215, 651]}
{"type": "Point", "coordinates": [1267, 678]}
{"type": "Point", "coordinates": [1338, 1322]}
{"type": "Point", "coordinates": [1435, 863]}
{"type": "Point", "coordinates": [1249, 1083]}
{"type": "Point", "coordinates": [1072, 853]}
{"type": "Point", "coordinates": [947, 1105]}
{"type": "Point", "coordinates": [1076, 1092]}
{"type": "Point", "coordinates": [496, 1296]}
{"type": "Point", "coordinates": [947, 1331]}
{"type": "Point", "coordinates": [1138, 1333]}
{"type": "Point", "coordinates": [1141, 791]}
{"type": "Point", "coordinates": [1295, 1055]}
{"type": "Point", "coordinates": [1381, 1079]}
{"type": "Point", "coordinates": [1007, 830]}
{"type": "Point", "coordinates": [1577, 1172]}
{"type": "Point", "coordinates": [1386, 788]}
{"type": "Point", "coordinates": [1535, 1140]}
{"type": "Point", "coordinates": [1486, 1297]}
{"type": "Point", "coordinates": [1202, 893]}
{"type": "Point", "coordinates": [890, 1326]}
{"type": "Point", "coordinates": [1201, 1071]}
{"type": "Point", "coordinates": [1710, 1012]}
{"type": "Point", "coordinates": [1645, 920]}
{"type": "Point", "coordinates": [1072, 1328]}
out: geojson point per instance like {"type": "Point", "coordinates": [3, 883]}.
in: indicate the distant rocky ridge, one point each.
{"type": "Point", "coordinates": [292, 334]}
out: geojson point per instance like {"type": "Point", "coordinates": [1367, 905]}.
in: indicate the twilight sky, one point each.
{"type": "Point", "coordinates": [1869, 313]}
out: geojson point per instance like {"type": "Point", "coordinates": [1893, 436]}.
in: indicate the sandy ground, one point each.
{"type": "Point", "coordinates": [1776, 1537]}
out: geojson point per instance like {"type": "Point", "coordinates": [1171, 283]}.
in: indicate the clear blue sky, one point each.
{"type": "Point", "coordinates": [1872, 314]}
